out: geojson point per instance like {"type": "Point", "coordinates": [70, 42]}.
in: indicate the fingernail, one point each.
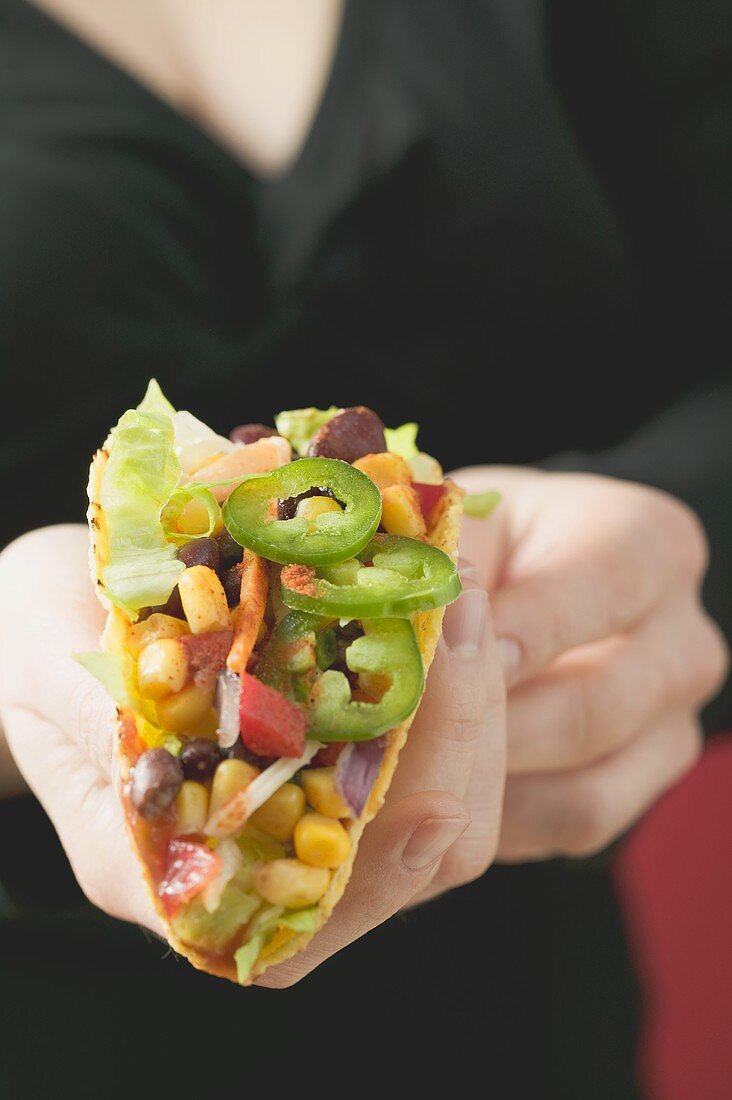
{"type": "Point", "coordinates": [431, 839]}
{"type": "Point", "coordinates": [465, 621]}
{"type": "Point", "coordinates": [509, 652]}
{"type": "Point", "coordinates": [468, 571]}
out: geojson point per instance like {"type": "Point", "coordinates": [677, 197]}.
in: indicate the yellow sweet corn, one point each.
{"type": "Point", "coordinates": [204, 600]}
{"type": "Point", "coordinates": [281, 812]}
{"type": "Point", "coordinates": [150, 630]}
{"type": "Point", "coordinates": [183, 711]}
{"type": "Point", "coordinates": [321, 793]}
{"type": "Point", "coordinates": [312, 507]}
{"type": "Point", "coordinates": [162, 668]}
{"type": "Point", "coordinates": [290, 883]}
{"type": "Point", "coordinates": [320, 841]}
{"type": "Point", "coordinates": [230, 777]}
{"type": "Point", "coordinates": [191, 808]}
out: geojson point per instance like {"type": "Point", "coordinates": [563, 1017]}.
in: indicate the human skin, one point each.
{"type": "Point", "coordinates": [607, 652]}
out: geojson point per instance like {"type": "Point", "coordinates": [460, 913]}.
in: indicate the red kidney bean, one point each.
{"type": "Point", "coordinates": [200, 552]}
{"type": "Point", "coordinates": [351, 434]}
{"type": "Point", "coordinates": [156, 780]}
{"type": "Point", "coordinates": [250, 433]}
{"type": "Point", "coordinates": [199, 759]}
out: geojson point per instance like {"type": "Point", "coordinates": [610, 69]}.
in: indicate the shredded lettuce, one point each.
{"type": "Point", "coordinates": [172, 510]}
{"type": "Point", "coordinates": [117, 673]}
{"type": "Point", "coordinates": [139, 479]}
{"type": "Point", "coordinates": [402, 440]}
{"type": "Point", "coordinates": [299, 920]}
{"type": "Point", "coordinates": [246, 956]}
{"type": "Point", "coordinates": [300, 425]}
{"type": "Point", "coordinates": [195, 443]}
{"type": "Point", "coordinates": [155, 401]}
{"type": "Point", "coordinates": [480, 505]}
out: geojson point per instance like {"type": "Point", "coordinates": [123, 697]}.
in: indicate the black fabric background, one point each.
{"type": "Point", "coordinates": [510, 222]}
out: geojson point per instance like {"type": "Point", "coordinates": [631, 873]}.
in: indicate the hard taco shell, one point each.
{"type": "Point", "coordinates": [428, 626]}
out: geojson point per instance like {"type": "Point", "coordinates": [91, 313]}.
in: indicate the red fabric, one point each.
{"type": "Point", "coordinates": [675, 882]}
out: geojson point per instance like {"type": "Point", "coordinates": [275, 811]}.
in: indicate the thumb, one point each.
{"type": "Point", "coordinates": [397, 856]}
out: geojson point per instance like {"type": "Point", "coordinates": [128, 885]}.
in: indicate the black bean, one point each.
{"type": "Point", "coordinates": [200, 552]}
{"type": "Point", "coordinates": [173, 607]}
{"type": "Point", "coordinates": [250, 433]}
{"type": "Point", "coordinates": [230, 550]}
{"type": "Point", "coordinates": [231, 583]}
{"type": "Point", "coordinates": [239, 751]}
{"type": "Point", "coordinates": [156, 780]}
{"type": "Point", "coordinates": [286, 508]}
{"type": "Point", "coordinates": [199, 759]}
{"type": "Point", "coordinates": [351, 434]}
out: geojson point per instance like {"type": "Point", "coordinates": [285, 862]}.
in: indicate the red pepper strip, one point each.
{"type": "Point", "coordinates": [189, 867]}
{"type": "Point", "coordinates": [270, 724]}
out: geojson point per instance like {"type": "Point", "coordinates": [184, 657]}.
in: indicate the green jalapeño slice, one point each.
{"type": "Point", "coordinates": [404, 576]}
{"type": "Point", "coordinates": [250, 513]}
{"type": "Point", "coordinates": [386, 653]}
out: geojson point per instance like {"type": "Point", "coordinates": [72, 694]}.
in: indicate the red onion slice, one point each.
{"type": "Point", "coordinates": [356, 770]}
{"type": "Point", "coordinates": [228, 689]}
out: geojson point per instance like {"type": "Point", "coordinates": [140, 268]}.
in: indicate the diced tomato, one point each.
{"type": "Point", "coordinates": [328, 755]}
{"type": "Point", "coordinates": [430, 496]}
{"type": "Point", "coordinates": [207, 654]}
{"type": "Point", "coordinates": [189, 866]}
{"type": "Point", "coordinates": [270, 724]}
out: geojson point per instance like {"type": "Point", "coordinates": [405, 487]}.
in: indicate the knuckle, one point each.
{"type": "Point", "coordinates": [685, 533]}
{"type": "Point", "coordinates": [708, 660]}
{"type": "Point", "coordinates": [585, 822]}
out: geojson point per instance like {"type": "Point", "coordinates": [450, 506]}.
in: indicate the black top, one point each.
{"type": "Point", "coordinates": [510, 222]}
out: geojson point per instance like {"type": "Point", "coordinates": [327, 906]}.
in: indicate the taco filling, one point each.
{"type": "Point", "coordinates": [274, 598]}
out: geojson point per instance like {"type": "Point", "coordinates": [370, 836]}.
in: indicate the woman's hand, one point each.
{"type": "Point", "coordinates": [607, 650]}
{"type": "Point", "coordinates": [438, 828]}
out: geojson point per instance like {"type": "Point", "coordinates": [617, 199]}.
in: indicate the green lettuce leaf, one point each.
{"type": "Point", "coordinates": [480, 505]}
{"type": "Point", "coordinates": [402, 440]}
{"type": "Point", "coordinates": [300, 920]}
{"type": "Point", "coordinates": [117, 673]}
{"type": "Point", "coordinates": [141, 474]}
{"type": "Point", "coordinates": [246, 956]}
{"type": "Point", "coordinates": [155, 401]}
{"type": "Point", "coordinates": [300, 425]}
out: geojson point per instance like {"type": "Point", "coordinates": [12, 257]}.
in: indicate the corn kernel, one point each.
{"type": "Point", "coordinates": [313, 507]}
{"type": "Point", "coordinates": [162, 668]}
{"type": "Point", "coordinates": [195, 520]}
{"type": "Point", "coordinates": [183, 711]}
{"type": "Point", "coordinates": [385, 469]}
{"type": "Point", "coordinates": [321, 793]}
{"type": "Point", "coordinates": [191, 808]}
{"type": "Point", "coordinates": [151, 630]}
{"type": "Point", "coordinates": [204, 600]}
{"type": "Point", "coordinates": [206, 727]}
{"type": "Point", "coordinates": [290, 883]}
{"type": "Point", "coordinates": [282, 936]}
{"type": "Point", "coordinates": [279, 815]}
{"type": "Point", "coordinates": [320, 841]}
{"type": "Point", "coordinates": [230, 777]}
{"type": "Point", "coordinates": [401, 513]}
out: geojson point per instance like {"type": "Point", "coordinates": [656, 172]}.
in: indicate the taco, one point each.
{"type": "Point", "coordinates": [274, 602]}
